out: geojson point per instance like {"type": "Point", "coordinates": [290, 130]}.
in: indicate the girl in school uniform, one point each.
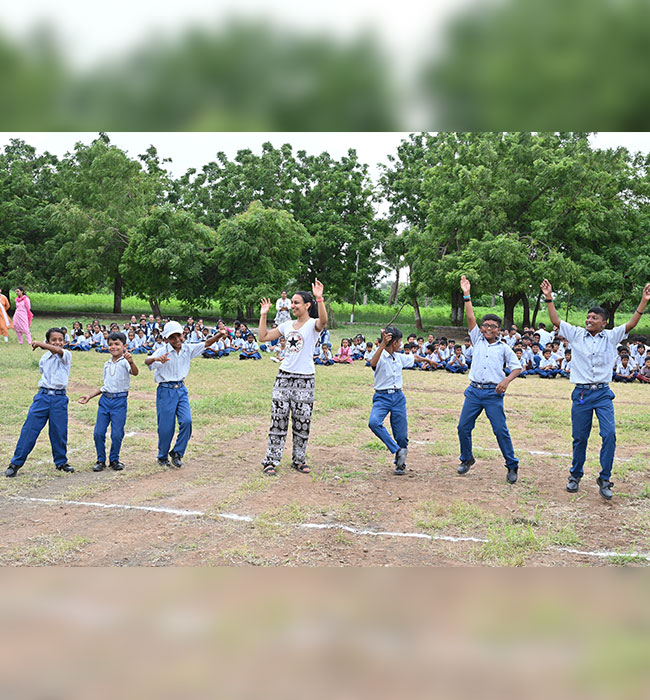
{"type": "Point", "coordinates": [49, 404]}
{"type": "Point", "coordinates": [250, 349]}
{"type": "Point", "coordinates": [293, 391]}
{"type": "Point", "coordinates": [23, 316]}
{"type": "Point", "coordinates": [344, 355]}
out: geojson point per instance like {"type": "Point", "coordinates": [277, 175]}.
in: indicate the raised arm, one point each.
{"type": "Point", "coordinates": [469, 309]}
{"type": "Point", "coordinates": [636, 316]}
{"type": "Point", "coordinates": [54, 349]}
{"type": "Point", "coordinates": [547, 290]}
{"type": "Point", "coordinates": [385, 339]}
{"type": "Point", "coordinates": [317, 290]}
{"type": "Point", "coordinates": [262, 332]}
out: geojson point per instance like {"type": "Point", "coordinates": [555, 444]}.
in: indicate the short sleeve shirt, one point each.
{"type": "Point", "coordinates": [178, 365]}
{"type": "Point", "coordinates": [55, 369]}
{"type": "Point", "coordinates": [488, 359]}
{"type": "Point", "coordinates": [300, 345]}
{"type": "Point", "coordinates": [388, 372]}
{"type": "Point", "coordinates": [592, 356]}
{"type": "Point", "coordinates": [117, 376]}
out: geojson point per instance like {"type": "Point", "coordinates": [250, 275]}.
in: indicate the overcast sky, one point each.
{"type": "Point", "coordinates": [195, 149]}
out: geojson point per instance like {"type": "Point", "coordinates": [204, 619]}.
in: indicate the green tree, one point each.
{"type": "Point", "coordinates": [257, 252]}
{"type": "Point", "coordinates": [167, 256]}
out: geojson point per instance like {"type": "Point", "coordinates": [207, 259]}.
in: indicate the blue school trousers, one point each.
{"type": "Point", "coordinates": [111, 409]}
{"type": "Point", "coordinates": [476, 401]}
{"type": "Point", "coordinates": [172, 403]}
{"type": "Point", "coordinates": [586, 402]}
{"type": "Point", "coordinates": [46, 406]}
{"type": "Point", "coordinates": [394, 403]}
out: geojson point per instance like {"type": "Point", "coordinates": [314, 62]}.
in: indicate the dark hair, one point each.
{"type": "Point", "coordinates": [600, 311]}
{"type": "Point", "coordinates": [22, 289]}
{"type": "Point", "coordinates": [395, 332]}
{"type": "Point", "coordinates": [117, 335]}
{"type": "Point", "coordinates": [308, 298]}
{"type": "Point", "coordinates": [431, 347]}
{"type": "Point", "coordinates": [541, 325]}
{"type": "Point", "coordinates": [491, 317]}
{"type": "Point", "coordinates": [567, 351]}
{"type": "Point", "coordinates": [369, 344]}
{"type": "Point", "coordinates": [52, 330]}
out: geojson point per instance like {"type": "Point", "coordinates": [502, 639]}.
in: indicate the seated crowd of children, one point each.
{"type": "Point", "coordinates": [542, 353]}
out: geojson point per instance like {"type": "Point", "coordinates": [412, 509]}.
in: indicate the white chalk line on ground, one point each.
{"type": "Point", "coordinates": [307, 526]}
{"type": "Point", "coordinates": [530, 452]}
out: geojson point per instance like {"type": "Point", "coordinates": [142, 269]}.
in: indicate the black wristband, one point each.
{"type": "Point", "coordinates": [467, 298]}
{"type": "Point", "coordinates": [639, 312]}
{"type": "Point", "coordinates": [548, 301]}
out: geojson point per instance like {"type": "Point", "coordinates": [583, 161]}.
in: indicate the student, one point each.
{"type": "Point", "coordinates": [49, 404]}
{"type": "Point", "coordinates": [487, 386]}
{"type": "Point", "coordinates": [565, 367]}
{"type": "Point", "coordinates": [468, 350]}
{"type": "Point", "coordinates": [325, 356]}
{"type": "Point", "coordinates": [456, 362]}
{"type": "Point", "coordinates": [547, 366]}
{"type": "Point", "coordinates": [293, 390]}
{"type": "Point", "coordinates": [103, 344]}
{"type": "Point", "coordinates": [282, 308]}
{"type": "Point", "coordinates": [643, 375]}
{"type": "Point", "coordinates": [387, 363]}
{"type": "Point", "coordinates": [593, 350]}
{"type": "Point", "coordinates": [519, 354]}
{"type": "Point", "coordinates": [639, 352]}
{"type": "Point", "coordinates": [367, 355]}
{"type": "Point", "coordinates": [113, 402]}
{"type": "Point", "coordinates": [625, 370]}
{"type": "Point", "coordinates": [237, 342]}
{"type": "Point", "coordinates": [250, 350]}
{"type": "Point", "coordinates": [281, 352]}
{"type": "Point", "coordinates": [170, 365]}
{"type": "Point", "coordinates": [433, 358]}
{"type": "Point", "coordinates": [344, 355]}
{"type": "Point", "coordinates": [358, 347]}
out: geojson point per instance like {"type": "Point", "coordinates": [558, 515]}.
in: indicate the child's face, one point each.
{"type": "Point", "coordinates": [344, 343]}
{"type": "Point", "coordinates": [176, 341]}
{"type": "Point", "coordinates": [647, 362]}
{"type": "Point", "coordinates": [518, 353]}
{"type": "Point", "coordinates": [394, 345]}
{"type": "Point", "coordinates": [237, 334]}
{"type": "Point", "coordinates": [116, 348]}
{"type": "Point", "coordinates": [594, 323]}
{"type": "Point", "coordinates": [133, 319]}
{"type": "Point", "coordinates": [131, 335]}
{"type": "Point", "coordinates": [490, 330]}
{"type": "Point", "coordinates": [547, 353]}
{"type": "Point", "coordinates": [56, 339]}
{"type": "Point", "coordinates": [141, 333]}
{"type": "Point", "coordinates": [457, 350]}
{"type": "Point", "coordinates": [624, 360]}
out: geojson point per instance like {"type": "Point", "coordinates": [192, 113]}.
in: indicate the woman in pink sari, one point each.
{"type": "Point", "coordinates": [23, 316]}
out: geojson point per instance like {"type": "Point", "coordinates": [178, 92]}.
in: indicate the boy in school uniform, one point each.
{"type": "Point", "coordinates": [487, 386]}
{"type": "Point", "coordinates": [387, 363]}
{"type": "Point", "coordinates": [367, 355]}
{"type": "Point", "coordinates": [643, 375]}
{"type": "Point", "coordinates": [548, 365]}
{"type": "Point", "coordinates": [625, 370]}
{"type": "Point", "coordinates": [456, 362]}
{"type": "Point", "coordinates": [170, 365]}
{"type": "Point", "coordinates": [468, 350]}
{"type": "Point", "coordinates": [593, 349]}
{"type": "Point", "coordinates": [113, 402]}
{"type": "Point", "coordinates": [49, 404]}
{"type": "Point", "coordinates": [565, 367]}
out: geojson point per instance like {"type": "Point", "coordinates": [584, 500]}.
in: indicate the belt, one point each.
{"type": "Point", "coordinates": [387, 391]}
{"type": "Point", "coordinates": [56, 392]}
{"type": "Point", "coordinates": [603, 385]}
{"type": "Point", "coordinates": [117, 395]}
{"type": "Point", "coordinates": [485, 385]}
{"type": "Point", "coordinates": [173, 385]}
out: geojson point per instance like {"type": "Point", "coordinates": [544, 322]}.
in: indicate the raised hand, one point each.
{"type": "Point", "coordinates": [317, 289]}
{"type": "Point", "coordinates": [265, 305]}
{"type": "Point", "coordinates": [386, 337]}
{"type": "Point", "coordinates": [546, 288]}
{"type": "Point", "coordinates": [646, 292]}
{"type": "Point", "coordinates": [128, 356]}
{"type": "Point", "coordinates": [465, 285]}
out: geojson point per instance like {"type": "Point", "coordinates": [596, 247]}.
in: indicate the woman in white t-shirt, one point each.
{"type": "Point", "coordinates": [293, 391]}
{"type": "Point", "coordinates": [282, 306]}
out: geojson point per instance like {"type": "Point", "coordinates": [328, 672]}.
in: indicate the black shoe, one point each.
{"type": "Point", "coordinates": [605, 488]}
{"type": "Point", "coordinates": [512, 475]}
{"type": "Point", "coordinates": [116, 466]}
{"type": "Point", "coordinates": [400, 471]}
{"type": "Point", "coordinates": [164, 462]}
{"type": "Point", "coordinates": [573, 484]}
{"type": "Point", "coordinates": [99, 466]}
{"type": "Point", "coordinates": [400, 458]}
{"type": "Point", "coordinates": [176, 460]}
{"type": "Point", "coordinates": [65, 468]}
{"type": "Point", "coordinates": [12, 470]}
{"type": "Point", "coordinates": [463, 467]}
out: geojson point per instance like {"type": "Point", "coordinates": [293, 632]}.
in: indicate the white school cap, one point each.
{"type": "Point", "coordinates": [172, 327]}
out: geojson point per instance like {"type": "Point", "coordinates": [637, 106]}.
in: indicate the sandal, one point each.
{"type": "Point", "coordinates": [303, 468]}
{"type": "Point", "coordinates": [270, 470]}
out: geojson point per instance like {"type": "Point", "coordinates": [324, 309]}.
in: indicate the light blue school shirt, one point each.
{"type": "Point", "coordinates": [178, 365]}
{"type": "Point", "coordinates": [488, 359]}
{"type": "Point", "coordinates": [55, 369]}
{"type": "Point", "coordinates": [592, 356]}
{"type": "Point", "coordinates": [388, 372]}
{"type": "Point", "coordinates": [117, 376]}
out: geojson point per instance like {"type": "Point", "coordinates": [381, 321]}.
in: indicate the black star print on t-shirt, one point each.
{"type": "Point", "coordinates": [293, 342]}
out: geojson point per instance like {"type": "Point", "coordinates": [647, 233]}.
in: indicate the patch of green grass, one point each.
{"type": "Point", "coordinates": [45, 550]}
{"type": "Point", "coordinates": [510, 545]}
{"type": "Point", "coordinates": [625, 558]}
{"type": "Point", "coordinates": [242, 554]}
{"type": "Point", "coordinates": [374, 446]}
{"type": "Point", "coordinates": [645, 491]}
{"type": "Point", "coordinates": [459, 516]}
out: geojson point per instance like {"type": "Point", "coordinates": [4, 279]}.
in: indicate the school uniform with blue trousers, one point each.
{"type": "Point", "coordinates": [389, 399]}
{"type": "Point", "coordinates": [592, 357]}
{"type": "Point", "coordinates": [485, 373]}
{"type": "Point", "coordinates": [112, 409]}
{"type": "Point", "coordinates": [49, 404]}
{"type": "Point", "coordinates": [172, 401]}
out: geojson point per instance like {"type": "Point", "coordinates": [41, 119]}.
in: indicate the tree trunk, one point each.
{"type": "Point", "coordinates": [418, 318]}
{"type": "Point", "coordinates": [536, 311]}
{"type": "Point", "coordinates": [457, 308]}
{"type": "Point", "coordinates": [250, 311]}
{"type": "Point", "coordinates": [525, 301]}
{"type": "Point", "coordinates": [331, 319]}
{"type": "Point", "coordinates": [392, 299]}
{"type": "Point", "coordinates": [365, 299]}
{"type": "Point", "coordinates": [611, 308]}
{"type": "Point", "coordinates": [117, 294]}
{"type": "Point", "coordinates": [509, 303]}
{"type": "Point", "coordinates": [240, 314]}
{"type": "Point", "coordinates": [155, 306]}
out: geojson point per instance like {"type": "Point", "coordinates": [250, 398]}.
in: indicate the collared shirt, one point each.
{"type": "Point", "coordinates": [117, 376]}
{"type": "Point", "coordinates": [55, 369]}
{"type": "Point", "coordinates": [489, 358]}
{"type": "Point", "coordinates": [592, 356]}
{"type": "Point", "coordinates": [388, 372]}
{"type": "Point", "coordinates": [625, 371]}
{"type": "Point", "coordinates": [178, 365]}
